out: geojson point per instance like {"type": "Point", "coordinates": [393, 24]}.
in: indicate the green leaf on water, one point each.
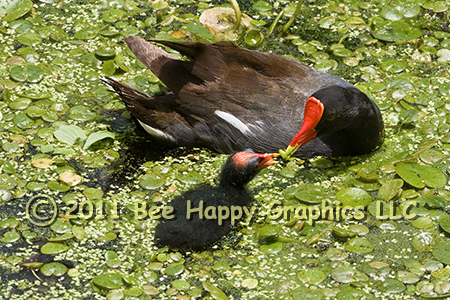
{"type": "Point", "coordinates": [97, 136]}
{"type": "Point", "coordinates": [310, 196]}
{"type": "Point", "coordinates": [354, 197]}
{"type": "Point", "coordinates": [442, 252]}
{"type": "Point", "coordinates": [444, 222]}
{"type": "Point", "coordinates": [151, 181]}
{"type": "Point", "coordinates": [200, 32]}
{"type": "Point", "coordinates": [420, 176]}
{"type": "Point", "coordinates": [191, 177]}
{"type": "Point", "coordinates": [359, 245]}
{"type": "Point", "coordinates": [408, 116]}
{"type": "Point", "coordinates": [214, 291]}
{"type": "Point", "coordinates": [29, 38]}
{"type": "Point", "coordinates": [395, 31]}
{"type": "Point", "coordinates": [389, 189]}
{"type": "Point", "coordinates": [108, 281]}
{"type": "Point", "coordinates": [11, 10]}
{"type": "Point", "coordinates": [70, 134]}
{"type": "Point", "coordinates": [10, 237]}
{"type": "Point", "coordinates": [53, 248]}
{"type": "Point", "coordinates": [53, 268]}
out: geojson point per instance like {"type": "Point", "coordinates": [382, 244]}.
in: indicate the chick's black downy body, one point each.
{"type": "Point", "coordinates": [195, 233]}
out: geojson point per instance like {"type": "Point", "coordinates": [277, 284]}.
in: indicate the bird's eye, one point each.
{"type": "Point", "coordinates": [331, 118]}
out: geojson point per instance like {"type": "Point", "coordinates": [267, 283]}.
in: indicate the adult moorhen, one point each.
{"type": "Point", "coordinates": [190, 232]}
{"type": "Point", "coordinates": [228, 99]}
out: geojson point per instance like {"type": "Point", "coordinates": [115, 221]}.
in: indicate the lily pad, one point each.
{"type": "Point", "coordinates": [70, 134]}
{"type": "Point", "coordinates": [18, 73]}
{"type": "Point", "coordinates": [392, 286]}
{"type": "Point", "coordinates": [400, 9]}
{"type": "Point", "coordinates": [152, 181]}
{"type": "Point", "coordinates": [108, 236]}
{"type": "Point", "coordinates": [444, 55]}
{"type": "Point", "coordinates": [262, 6]}
{"type": "Point", "coordinates": [272, 248]}
{"type": "Point", "coordinates": [175, 270]}
{"type": "Point", "coordinates": [269, 231]}
{"type": "Point", "coordinates": [63, 237]}
{"type": "Point", "coordinates": [108, 281]}
{"type": "Point", "coordinates": [14, 9]}
{"type": "Point", "coordinates": [310, 196]}
{"type": "Point", "coordinates": [33, 265]}
{"type": "Point", "coordinates": [394, 65]}
{"type": "Point", "coordinates": [93, 193]}
{"type": "Point", "coordinates": [407, 116]}
{"type": "Point", "coordinates": [29, 38]}
{"type": "Point", "coordinates": [81, 112]}
{"type": "Point", "coordinates": [29, 235]}
{"type": "Point", "coordinates": [312, 276]}
{"type": "Point", "coordinates": [249, 283]}
{"type": "Point", "coordinates": [422, 222]}
{"type": "Point", "coordinates": [426, 240]}
{"type": "Point", "coordinates": [180, 284]}
{"type": "Point", "coordinates": [108, 68]}
{"type": "Point", "coordinates": [78, 232]}
{"type": "Point", "coordinates": [97, 136]}
{"type": "Point", "coordinates": [343, 274]}
{"type": "Point", "coordinates": [395, 31]}
{"type": "Point", "coordinates": [22, 120]}
{"type": "Point", "coordinates": [390, 189]}
{"type": "Point", "coordinates": [20, 104]}
{"type": "Point", "coordinates": [215, 292]}
{"type": "Point", "coordinates": [42, 163]}
{"type": "Point", "coordinates": [70, 178]}
{"type": "Point", "coordinates": [61, 226]}
{"type": "Point", "coordinates": [420, 176]}
{"type": "Point", "coordinates": [10, 237]}
{"type": "Point", "coordinates": [444, 222]}
{"type": "Point", "coordinates": [442, 252]}
{"type": "Point", "coordinates": [353, 197]}
{"type": "Point", "coordinates": [436, 6]}
{"type": "Point", "coordinates": [56, 186]}
{"type": "Point", "coordinates": [112, 15]}
{"type": "Point", "coordinates": [87, 33]}
{"type": "Point", "coordinates": [53, 268]}
{"type": "Point", "coordinates": [54, 248]}
{"type": "Point", "coordinates": [191, 177]}
{"type": "Point", "coordinates": [359, 245]}
{"type": "Point", "coordinates": [254, 38]}
{"type": "Point", "coordinates": [431, 156]}
{"type": "Point", "coordinates": [408, 277]}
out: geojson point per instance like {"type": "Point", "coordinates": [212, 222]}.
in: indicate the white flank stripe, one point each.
{"type": "Point", "coordinates": [232, 120]}
{"type": "Point", "coordinates": [156, 132]}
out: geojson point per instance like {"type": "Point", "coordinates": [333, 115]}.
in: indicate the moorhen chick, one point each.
{"type": "Point", "coordinates": [194, 233]}
{"type": "Point", "coordinates": [228, 99]}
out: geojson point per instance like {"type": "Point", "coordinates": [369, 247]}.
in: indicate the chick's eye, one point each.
{"type": "Point", "coordinates": [254, 162]}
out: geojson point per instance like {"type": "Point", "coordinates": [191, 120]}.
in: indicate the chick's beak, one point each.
{"type": "Point", "coordinates": [267, 160]}
{"type": "Point", "coordinates": [313, 113]}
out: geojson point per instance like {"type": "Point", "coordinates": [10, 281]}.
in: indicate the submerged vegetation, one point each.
{"type": "Point", "coordinates": [68, 143]}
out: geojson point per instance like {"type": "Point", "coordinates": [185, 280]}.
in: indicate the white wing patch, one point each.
{"type": "Point", "coordinates": [232, 120]}
{"type": "Point", "coordinates": [156, 132]}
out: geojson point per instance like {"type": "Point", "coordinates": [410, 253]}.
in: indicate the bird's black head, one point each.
{"type": "Point", "coordinates": [344, 118]}
{"type": "Point", "coordinates": [242, 167]}
{"type": "Point", "coordinates": [343, 106]}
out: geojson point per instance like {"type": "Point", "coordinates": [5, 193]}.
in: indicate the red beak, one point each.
{"type": "Point", "coordinates": [313, 112]}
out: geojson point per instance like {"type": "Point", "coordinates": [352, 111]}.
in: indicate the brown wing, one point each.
{"type": "Point", "coordinates": [224, 89]}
